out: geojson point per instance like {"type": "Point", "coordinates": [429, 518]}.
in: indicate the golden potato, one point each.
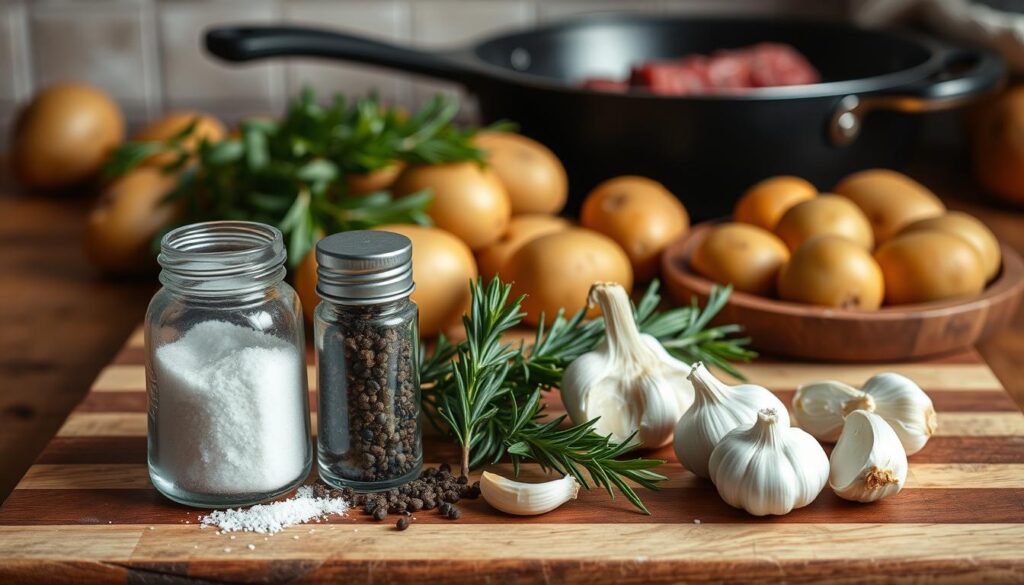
{"type": "Point", "coordinates": [825, 215]}
{"type": "Point", "coordinates": [556, 270]}
{"type": "Point", "coordinates": [997, 148]}
{"type": "Point", "coordinates": [64, 136]}
{"type": "Point", "coordinates": [522, 229]}
{"type": "Point", "coordinates": [745, 256]}
{"type": "Point", "coordinates": [833, 272]}
{"type": "Point", "coordinates": [764, 204]}
{"type": "Point", "coordinates": [641, 215]}
{"type": "Point", "coordinates": [890, 200]}
{"type": "Point", "coordinates": [929, 265]}
{"type": "Point", "coordinates": [120, 229]}
{"type": "Point", "coordinates": [533, 176]}
{"type": "Point", "coordinates": [442, 267]}
{"type": "Point", "coordinates": [379, 180]}
{"type": "Point", "coordinates": [972, 230]}
{"type": "Point", "coordinates": [469, 200]}
{"type": "Point", "coordinates": [206, 127]}
{"type": "Point", "coordinates": [304, 281]}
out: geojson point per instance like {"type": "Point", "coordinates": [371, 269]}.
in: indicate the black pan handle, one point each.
{"type": "Point", "coordinates": [961, 76]}
{"type": "Point", "coordinates": [246, 43]}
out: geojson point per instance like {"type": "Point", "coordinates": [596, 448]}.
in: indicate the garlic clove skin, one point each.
{"type": "Point", "coordinates": [718, 409]}
{"type": "Point", "coordinates": [766, 468]}
{"type": "Point", "coordinates": [819, 408]}
{"type": "Point", "coordinates": [630, 383]}
{"type": "Point", "coordinates": [868, 462]}
{"type": "Point", "coordinates": [905, 406]}
{"type": "Point", "coordinates": [527, 499]}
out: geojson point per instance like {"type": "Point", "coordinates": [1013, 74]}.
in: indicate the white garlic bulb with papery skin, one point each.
{"type": "Point", "coordinates": [868, 462]}
{"type": "Point", "coordinates": [821, 407]}
{"type": "Point", "coordinates": [766, 468]}
{"type": "Point", "coordinates": [630, 381]}
{"type": "Point", "coordinates": [717, 409]}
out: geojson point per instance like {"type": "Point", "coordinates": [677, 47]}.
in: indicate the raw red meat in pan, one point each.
{"type": "Point", "coordinates": [761, 65]}
{"type": "Point", "coordinates": [773, 65]}
{"type": "Point", "coordinates": [672, 77]}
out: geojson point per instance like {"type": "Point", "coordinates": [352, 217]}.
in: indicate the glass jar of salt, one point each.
{"type": "Point", "coordinates": [366, 337]}
{"type": "Point", "coordinates": [225, 368]}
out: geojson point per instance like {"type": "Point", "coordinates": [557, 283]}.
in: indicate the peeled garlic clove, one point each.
{"type": "Point", "coordinates": [905, 406]}
{"type": "Point", "coordinates": [527, 499]}
{"type": "Point", "coordinates": [718, 409]}
{"type": "Point", "coordinates": [868, 462]}
{"type": "Point", "coordinates": [629, 383]}
{"type": "Point", "coordinates": [819, 408]}
{"type": "Point", "coordinates": [766, 468]}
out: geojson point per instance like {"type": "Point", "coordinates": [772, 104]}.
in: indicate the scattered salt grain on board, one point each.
{"type": "Point", "coordinates": [275, 517]}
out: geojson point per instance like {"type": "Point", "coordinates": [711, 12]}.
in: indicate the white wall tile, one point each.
{"type": "Point", "coordinates": [451, 23]}
{"type": "Point", "coordinates": [15, 72]}
{"type": "Point", "coordinates": [441, 24]}
{"type": "Point", "coordinates": [104, 42]}
{"type": "Point", "coordinates": [388, 20]}
{"type": "Point", "coordinates": [194, 79]}
{"type": "Point", "coordinates": [555, 10]}
{"type": "Point", "coordinates": [15, 62]}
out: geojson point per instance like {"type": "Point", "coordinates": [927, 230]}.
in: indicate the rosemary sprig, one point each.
{"type": "Point", "coordinates": [486, 391]}
{"type": "Point", "coordinates": [478, 372]}
{"type": "Point", "coordinates": [291, 172]}
{"type": "Point", "coordinates": [683, 331]}
{"type": "Point", "coordinates": [567, 450]}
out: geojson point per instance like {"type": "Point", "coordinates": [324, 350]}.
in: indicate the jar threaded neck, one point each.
{"type": "Point", "coordinates": [220, 258]}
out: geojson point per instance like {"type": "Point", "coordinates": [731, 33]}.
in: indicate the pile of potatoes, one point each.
{"type": "Point", "coordinates": [501, 219]}
{"type": "Point", "coordinates": [61, 141]}
{"type": "Point", "coordinates": [880, 238]}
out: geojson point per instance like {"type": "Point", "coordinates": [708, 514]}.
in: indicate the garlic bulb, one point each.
{"type": "Point", "coordinates": [868, 462]}
{"type": "Point", "coordinates": [820, 408]}
{"type": "Point", "coordinates": [718, 409]}
{"type": "Point", "coordinates": [768, 468]}
{"type": "Point", "coordinates": [629, 381]}
{"type": "Point", "coordinates": [526, 499]}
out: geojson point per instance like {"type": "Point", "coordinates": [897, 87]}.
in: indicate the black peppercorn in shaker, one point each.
{"type": "Point", "coordinates": [366, 344]}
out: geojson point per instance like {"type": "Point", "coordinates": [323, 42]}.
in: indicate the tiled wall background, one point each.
{"type": "Point", "coordinates": [147, 53]}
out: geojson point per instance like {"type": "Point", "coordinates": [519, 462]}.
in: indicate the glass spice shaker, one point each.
{"type": "Point", "coordinates": [366, 337]}
{"type": "Point", "coordinates": [226, 368]}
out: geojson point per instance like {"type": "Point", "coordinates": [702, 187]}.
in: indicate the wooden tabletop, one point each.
{"type": "Point", "coordinates": [87, 508]}
{"type": "Point", "coordinates": [62, 323]}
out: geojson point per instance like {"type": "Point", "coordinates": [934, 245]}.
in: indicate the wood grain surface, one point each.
{"type": "Point", "coordinates": [62, 322]}
{"type": "Point", "coordinates": [47, 286]}
{"type": "Point", "coordinates": [86, 511]}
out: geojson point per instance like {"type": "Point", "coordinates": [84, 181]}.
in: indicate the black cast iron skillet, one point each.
{"type": "Point", "coordinates": [706, 149]}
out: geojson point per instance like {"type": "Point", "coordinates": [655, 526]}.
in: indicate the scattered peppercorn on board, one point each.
{"type": "Point", "coordinates": [87, 512]}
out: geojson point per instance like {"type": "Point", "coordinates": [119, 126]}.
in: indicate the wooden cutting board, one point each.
{"type": "Point", "coordinates": [86, 512]}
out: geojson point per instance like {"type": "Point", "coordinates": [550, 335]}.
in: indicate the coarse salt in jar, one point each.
{"type": "Point", "coordinates": [225, 368]}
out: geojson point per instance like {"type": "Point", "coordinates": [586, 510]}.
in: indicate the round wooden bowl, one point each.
{"type": "Point", "coordinates": [894, 333]}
